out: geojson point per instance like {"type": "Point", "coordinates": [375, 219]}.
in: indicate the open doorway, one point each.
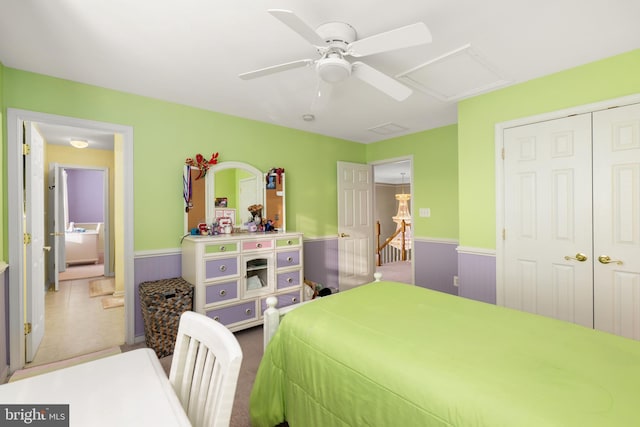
{"type": "Point", "coordinates": [394, 237]}
{"type": "Point", "coordinates": [23, 299]}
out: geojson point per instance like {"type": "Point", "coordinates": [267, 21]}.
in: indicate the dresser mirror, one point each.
{"type": "Point", "coordinates": [227, 190]}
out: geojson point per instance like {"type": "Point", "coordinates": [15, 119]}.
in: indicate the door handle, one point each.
{"type": "Point", "coordinates": [344, 235]}
{"type": "Point", "coordinates": [46, 248]}
{"type": "Point", "coordinates": [579, 257]}
{"type": "Point", "coordinates": [605, 259]}
{"type": "Point", "coordinates": [56, 234]}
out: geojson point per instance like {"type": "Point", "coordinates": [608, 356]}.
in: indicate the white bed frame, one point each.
{"type": "Point", "coordinates": [272, 315]}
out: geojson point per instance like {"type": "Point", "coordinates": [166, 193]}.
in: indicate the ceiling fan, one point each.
{"type": "Point", "coordinates": [336, 41]}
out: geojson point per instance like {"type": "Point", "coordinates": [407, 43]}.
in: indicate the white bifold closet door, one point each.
{"type": "Point", "coordinates": [572, 219]}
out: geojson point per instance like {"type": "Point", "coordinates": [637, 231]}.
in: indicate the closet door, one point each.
{"type": "Point", "coordinates": [616, 201]}
{"type": "Point", "coordinates": [547, 219]}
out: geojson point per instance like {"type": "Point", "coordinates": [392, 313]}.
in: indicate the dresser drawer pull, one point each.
{"type": "Point", "coordinates": [258, 245]}
{"type": "Point", "coordinates": [223, 268]}
{"type": "Point", "coordinates": [248, 312]}
{"type": "Point", "coordinates": [216, 318]}
{"type": "Point", "coordinates": [289, 242]}
{"type": "Point", "coordinates": [289, 280]}
{"type": "Point", "coordinates": [294, 299]}
{"type": "Point", "coordinates": [289, 259]}
{"type": "Point", "coordinates": [223, 248]}
{"type": "Point", "coordinates": [223, 292]}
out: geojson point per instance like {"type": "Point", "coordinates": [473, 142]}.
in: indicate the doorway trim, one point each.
{"type": "Point", "coordinates": [408, 158]}
{"type": "Point", "coordinates": [499, 168]}
{"type": "Point", "coordinates": [107, 229]}
{"type": "Point", "coordinates": [15, 197]}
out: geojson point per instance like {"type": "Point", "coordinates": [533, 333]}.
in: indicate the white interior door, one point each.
{"type": "Point", "coordinates": [572, 219]}
{"type": "Point", "coordinates": [616, 177]}
{"type": "Point", "coordinates": [355, 224]}
{"type": "Point", "coordinates": [548, 218]}
{"type": "Point", "coordinates": [35, 285]}
{"type": "Point", "coordinates": [57, 223]}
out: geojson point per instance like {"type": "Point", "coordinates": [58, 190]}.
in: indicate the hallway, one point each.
{"type": "Point", "coordinates": [76, 323]}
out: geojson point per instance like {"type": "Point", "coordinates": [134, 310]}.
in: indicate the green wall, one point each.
{"type": "Point", "coordinates": [606, 79]}
{"type": "Point", "coordinates": [167, 133]}
{"type": "Point", "coordinates": [435, 177]}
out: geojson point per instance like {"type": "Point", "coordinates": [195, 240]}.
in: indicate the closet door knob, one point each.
{"type": "Point", "coordinates": [579, 257]}
{"type": "Point", "coordinates": [605, 259]}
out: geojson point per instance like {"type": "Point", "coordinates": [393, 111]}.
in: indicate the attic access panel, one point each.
{"type": "Point", "coordinates": [453, 76]}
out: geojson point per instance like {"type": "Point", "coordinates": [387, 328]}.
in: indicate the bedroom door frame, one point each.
{"type": "Point", "coordinates": [53, 230]}
{"type": "Point", "coordinates": [15, 193]}
{"type": "Point", "coordinates": [411, 210]}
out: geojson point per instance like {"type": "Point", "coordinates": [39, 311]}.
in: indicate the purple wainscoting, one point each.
{"type": "Point", "coordinates": [150, 268]}
{"type": "Point", "coordinates": [4, 325]}
{"type": "Point", "coordinates": [321, 261]}
{"type": "Point", "coordinates": [477, 276]}
{"type": "Point", "coordinates": [436, 264]}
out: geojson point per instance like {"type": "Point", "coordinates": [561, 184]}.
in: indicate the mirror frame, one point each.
{"type": "Point", "coordinates": [210, 188]}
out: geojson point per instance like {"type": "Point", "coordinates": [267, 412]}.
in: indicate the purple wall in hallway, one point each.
{"type": "Point", "coordinates": [86, 195]}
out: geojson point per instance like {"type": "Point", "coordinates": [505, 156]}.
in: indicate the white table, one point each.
{"type": "Point", "coordinates": [128, 389]}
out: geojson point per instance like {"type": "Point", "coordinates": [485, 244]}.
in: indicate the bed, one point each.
{"type": "Point", "coordinates": [391, 354]}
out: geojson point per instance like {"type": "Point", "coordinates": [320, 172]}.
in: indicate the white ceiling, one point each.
{"type": "Point", "coordinates": [191, 52]}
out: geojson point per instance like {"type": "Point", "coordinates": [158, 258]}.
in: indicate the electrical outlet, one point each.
{"type": "Point", "coordinates": [424, 212]}
{"type": "Point", "coordinates": [455, 281]}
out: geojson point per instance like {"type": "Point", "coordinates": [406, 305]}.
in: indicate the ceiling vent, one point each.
{"type": "Point", "coordinates": [453, 76]}
{"type": "Point", "coordinates": [388, 129]}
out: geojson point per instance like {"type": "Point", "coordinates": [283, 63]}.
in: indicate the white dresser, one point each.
{"type": "Point", "coordinates": [234, 274]}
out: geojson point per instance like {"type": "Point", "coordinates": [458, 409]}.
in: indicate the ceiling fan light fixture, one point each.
{"type": "Point", "coordinates": [333, 69]}
{"type": "Point", "coordinates": [79, 143]}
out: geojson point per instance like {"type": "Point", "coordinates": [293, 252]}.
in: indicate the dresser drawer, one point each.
{"type": "Point", "coordinates": [221, 292]}
{"type": "Point", "coordinates": [253, 245]}
{"type": "Point", "coordinates": [235, 313]}
{"type": "Point", "coordinates": [288, 241]}
{"type": "Point", "coordinates": [284, 300]}
{"type": "Point", "coordinates": [218, 248]}
{"type": "Point", "coordinates": [288, 279]}
{"type": "Point", "coordinates": [288, 259]}
{"type": "Point", "coordinates": [220, 267]}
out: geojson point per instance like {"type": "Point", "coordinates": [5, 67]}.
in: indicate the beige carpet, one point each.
{"type": "Point", "coordinates": [112, 302]}
{"type": "Point", "coordinates": [85, 271]}
{"type": "Point", "coordinates": [101, 287]}
{"type": "Point", "coordinates": [41, 369]}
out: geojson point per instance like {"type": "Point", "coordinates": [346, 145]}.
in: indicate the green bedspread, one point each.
{"type": "Point", "coordinates": [389, 354]}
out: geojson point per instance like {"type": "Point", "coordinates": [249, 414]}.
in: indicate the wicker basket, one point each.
{"type": "Point", "coordinates": [162, 303]}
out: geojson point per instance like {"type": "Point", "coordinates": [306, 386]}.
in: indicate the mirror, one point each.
{"type": "Point", "coordinates": [226, 191]}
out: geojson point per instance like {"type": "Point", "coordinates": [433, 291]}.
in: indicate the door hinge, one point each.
{"type": "Point", "coordinates": [503, 154]}
{"type": "Point", "coordinates": [26, 238]}
{"type": "Point", "coordinates": [504, 234]}
{"type": "Point", "coordinates": [27, 328]}
{"type": "Point", "coordinates": [26, 149]}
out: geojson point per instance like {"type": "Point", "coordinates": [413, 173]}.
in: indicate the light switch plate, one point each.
{"type": "Point", "coordinates": [425, 212]}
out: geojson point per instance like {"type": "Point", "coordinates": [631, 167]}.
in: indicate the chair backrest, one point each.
{"type": "Point", "coordinates": [205, 368]}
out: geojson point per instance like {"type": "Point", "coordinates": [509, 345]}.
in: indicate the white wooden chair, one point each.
{"type": "Point", "coordinates": [204, 369]}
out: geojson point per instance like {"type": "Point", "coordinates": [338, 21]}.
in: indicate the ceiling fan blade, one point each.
{"type": "Point", "coordinates": [275, 69]}
{"type": "Point", "coordinates": [411, 35]}
{"type": "Point", "coordinates": [380, 81]}
{"type": "Point", "coordinates": [291, 20]}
